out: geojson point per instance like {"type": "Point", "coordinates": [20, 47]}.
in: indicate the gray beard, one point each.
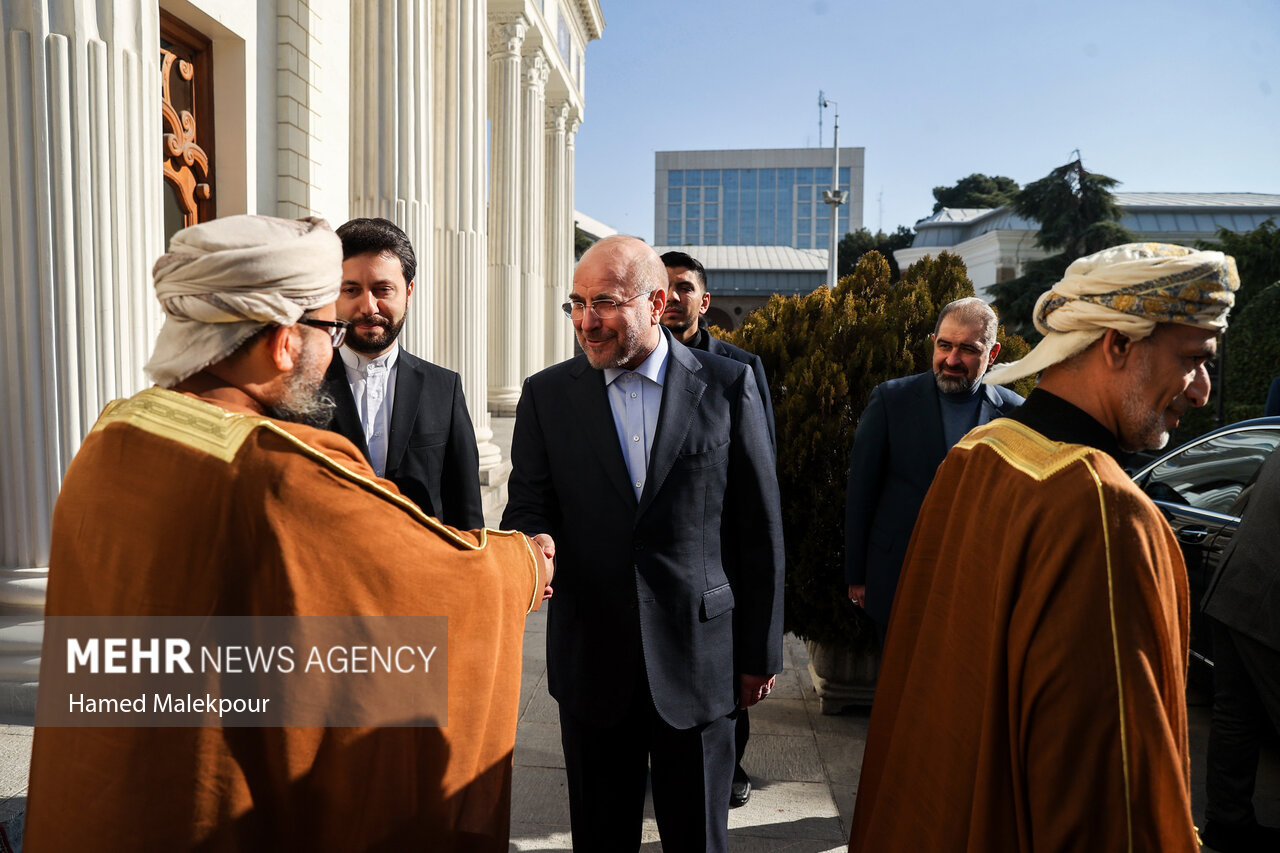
{"type": "Point", "coordinates": [305, 401]}
{"type": "Point", "coordinates": [947, 385]}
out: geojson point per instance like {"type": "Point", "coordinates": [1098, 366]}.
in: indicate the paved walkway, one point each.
{"type": "Point", "coordinates": [803, 766]}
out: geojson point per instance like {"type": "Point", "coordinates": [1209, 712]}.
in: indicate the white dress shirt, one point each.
{"type": "Point", "coordinates": [635, 398]}
{"type": "Point", "coordinates": [373, 384]}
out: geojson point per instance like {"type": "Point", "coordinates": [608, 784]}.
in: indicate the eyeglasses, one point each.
{"type": "Point", "coordinates": [337, 329]}
{"type": "Point", "coordinates": [604, 309]}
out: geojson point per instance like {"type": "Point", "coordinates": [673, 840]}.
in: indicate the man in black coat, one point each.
{"type": "Point", "coordinates": [408, 416]}
{"type": "Point", "coordinates": [904, 434]}
{"type": "Point", "coordinates": [1243, 601]}
{"type": "Point", "coordinates": [687, 302]}
{"type": "Point", "coordinates": [646, 467]}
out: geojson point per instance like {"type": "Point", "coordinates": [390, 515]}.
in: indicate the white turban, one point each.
{"type": "Point", "coordinates": [225, 279]}
{"type": "Point", "coordinates": [1128, 288]}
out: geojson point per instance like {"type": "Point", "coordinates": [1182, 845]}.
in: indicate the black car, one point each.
{"type": "Point", "coordinates": [1201, 487]}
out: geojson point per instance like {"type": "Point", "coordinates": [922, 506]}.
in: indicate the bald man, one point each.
{"type": "Point", "coordinates": [648, 466]}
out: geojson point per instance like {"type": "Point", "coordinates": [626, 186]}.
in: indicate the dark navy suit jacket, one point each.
{"type": "Point", "coordinates": [897, 449]}
{"type": "Point", "coordinates": [728, 350]}
{"type": "Point", "coordinates": [431, 451]}
{"type": "Point", "coordinates": [681, 588]}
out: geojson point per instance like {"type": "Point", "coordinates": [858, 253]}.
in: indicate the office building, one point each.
{"type": "Point", "coordinates": [759, 197]}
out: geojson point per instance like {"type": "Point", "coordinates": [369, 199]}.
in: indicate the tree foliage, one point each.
{"type": "Point", "coordinates": [581, 241]}
{"type": "Point", "coordinates": [855, 244]}
{"type": "Point", "coordinates": [824, 352]}
{"type": "Point", "coordinates": [977, 190]}
{"type": "Point", "coordinates": [1078, 216]}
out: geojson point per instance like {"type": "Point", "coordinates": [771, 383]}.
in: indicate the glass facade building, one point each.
{"type": "Point", "coordinates": [763, 197]}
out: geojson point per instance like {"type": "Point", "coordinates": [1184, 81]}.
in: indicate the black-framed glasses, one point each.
{"type": "Point", "coordinates": [337, 329]}
{"type": "Point", "coordinates": [604, 309]}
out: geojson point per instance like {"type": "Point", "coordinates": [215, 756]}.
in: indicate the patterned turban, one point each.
{"type": "Point", "coordinates": [223, 280]}
{"type": "Point", "coordinates": [1128, 288]}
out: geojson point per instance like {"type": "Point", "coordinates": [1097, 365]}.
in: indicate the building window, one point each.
{"type": "Point", "coordinates": [674, 194]}
{"type": "Point", "coordinates": [675, 178]}
{"type": "Point", "coordinates": [713, 194]}
{"type": "Point", "coordinates": [673, 232]}
{"type": "Point", "coordinates": [692, 178]}
{"type": "Point", "coordinates": [691, 211]}
{"type": "Point", "coordinates": [693, 194]}
{"type": "Point", "coordinates": [186, 88]}
{"type": "Point", "coordinates": [673, 211]}
{"type": "Point", "coordinates": [711, 211]}
{"type": "Point", "coordinates": [712, 227]}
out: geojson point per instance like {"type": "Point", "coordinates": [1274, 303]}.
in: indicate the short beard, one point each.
{"type": "Point", "coordinates": [957, 385]}
{"type": "Point", "coordinates": [305, 400]}
{"type": "Point", "coordinates": [1149, 429]}
{"type": "Point", "coordinates": [390, 332]}
{"type": "Point", "coordinates": [679, 327]}
{"type": "Point", "coordinates": [630, 344]}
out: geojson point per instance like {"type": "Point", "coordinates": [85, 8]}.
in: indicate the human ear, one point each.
{"type": "Point", "coordinates": [280, 352]}
{"type": "Point", "coordinates": [1116, 348]}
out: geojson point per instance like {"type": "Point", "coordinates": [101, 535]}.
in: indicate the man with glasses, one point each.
{"type": "Point", "coordinates": [907, 428]}
{"type": "Point", "coordinates": [646, 468]}
{"type": "Point", "coordinates": [408, 416]}
{"type": "Point", "coordinates": [210, 496]}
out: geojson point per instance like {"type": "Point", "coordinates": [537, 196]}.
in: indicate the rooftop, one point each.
{"type": "Point", "coordinates": [772, 258]}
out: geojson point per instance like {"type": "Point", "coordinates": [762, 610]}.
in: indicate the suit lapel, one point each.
{"type": "Point", "coordinates": [404, 411]}
{"type": "Point", "coordinates": [589, 405]}
{"type": "Point", "coordinates": [682, 391]}
{"type": "Point", "coordinates": [933, 435]}
{"type": "Point", "coordinates": [346, 420]}
{"type": "Point", "coordinates": [990, 408]}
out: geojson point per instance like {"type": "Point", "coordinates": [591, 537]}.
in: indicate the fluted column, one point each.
{"type": "Point", "coordinates": [533, 217]}
{"type": "Point", "coordinates": [559, 271]}
{"type": "Point", "coordinates": [391, 138]}
{"type": "Point", "coordinates": [461, 260]}
{"type": "Point", "coordinates": [506, 35]}
{"type": "Point", "coordinates": [79, 228]}
{"type": "Point", "coordinates": [570, 133]}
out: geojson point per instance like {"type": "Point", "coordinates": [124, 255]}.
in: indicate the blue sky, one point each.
{"type": "Point", "coordinates": [1173, 96]}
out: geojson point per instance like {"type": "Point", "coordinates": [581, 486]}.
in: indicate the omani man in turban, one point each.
{"type": "Point", "coordinates": [1039, 704]}
{"type": "Point", "coordinates": [210, 495]}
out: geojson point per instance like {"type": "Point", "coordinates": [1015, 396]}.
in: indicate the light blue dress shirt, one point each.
{"type": "Point", "coordinates": [373, 384]}
{"type": "Point", "coordinates": [635, 398]}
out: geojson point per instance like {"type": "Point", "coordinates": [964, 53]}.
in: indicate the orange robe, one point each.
{"type": "Point", "coordinates": [174, 506]}
{"type": "Point", "coordinates": [1031, 695]}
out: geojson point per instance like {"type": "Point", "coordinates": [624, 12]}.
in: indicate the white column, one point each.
{"type": "Point", "coordinates": [80, 227]}
{"type": "Point", "coordinates": [460, 262]}
{"type": "Point", "coordinates": [506, 35]}
{"type": "Point", "coordinates": [559, 272]}
{"type": "Point", "coordinates": [570, 133]}
{"type": "Point", "coordinates": [533, 217]}
{"type": "Point", "coordinates": [391, 138]}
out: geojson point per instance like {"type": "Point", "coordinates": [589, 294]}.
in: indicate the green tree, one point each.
{"type": "Point", "coordinates": [581, 241]}
{"type": "Point", "coordinates": [977, 190]}
{"type": "Point", "coordinates": [855, 244]}
{"type": "Point", "coordinates": [824, 352]}
{"type": "Point", "coordinates": [1078, 216]}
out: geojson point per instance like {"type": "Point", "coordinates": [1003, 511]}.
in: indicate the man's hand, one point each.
{"type": "Point", "coordinates": [548, 546]}
{"type": "Point", "coordinates": [753, 688]}
{"type": "Point", "coordinates": [858, 595]}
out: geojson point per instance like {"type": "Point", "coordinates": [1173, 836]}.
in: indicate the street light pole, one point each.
{"type": "Point", "coordinates": [834, 196]}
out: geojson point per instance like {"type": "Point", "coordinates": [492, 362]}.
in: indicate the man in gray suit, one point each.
{"type": "Point", "coordinates": [904, 434]}
{"type": "Point", "coordinates": [645, 467]}
{"type": "Point", "coordinates": [1243, 600]}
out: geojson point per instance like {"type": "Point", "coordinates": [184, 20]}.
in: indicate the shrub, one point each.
{"type": "Point", "coordinates": [824, 352]}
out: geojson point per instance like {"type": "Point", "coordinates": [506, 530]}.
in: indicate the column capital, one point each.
{"type": "Point", "coordinates": [557, 117]}
{"type": "Point", "coordinates": [536, 69]}
{"type": "Point", "coordinates": [572, 123]}
{"type": "Point", "coordinates": [506, 35]}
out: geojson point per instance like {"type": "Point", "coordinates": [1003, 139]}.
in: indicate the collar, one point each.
{"type": "Point", "coordinates": [360, 363]}
{"type": "Point", "coordinates": [700, 340]}
{"type": "Point", "coordinates": [653, 368]}
{"type": "Point", "coordinates": [1058, 420]}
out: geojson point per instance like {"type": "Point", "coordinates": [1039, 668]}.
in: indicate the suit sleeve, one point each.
{"type": "Point", "coordinates": [867, 461]}
{"type": "Point", "coordinates": [532, 507]}
{"type": "Point", "coordinates": [754, 508]}
{"type": "Point", "coordinates": [460, 479]}
{"type": "Point", "coordinates": [762, 383]}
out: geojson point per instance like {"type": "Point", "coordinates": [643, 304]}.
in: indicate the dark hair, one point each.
{"type": "Point", "coordinates": [689, 262]}
{"type": "Point", "coordinates": [361, 236]}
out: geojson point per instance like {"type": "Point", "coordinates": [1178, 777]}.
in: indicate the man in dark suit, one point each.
{"type": "Point", "coordinates": [1242, 600]}
{"type": "Point", "coordinates": [687, 302]}
{"type": "Point", "coordinates": [408, 416]}
{"type": "Point", "coordinates": [904, 434]}
{"type": "Point", "coordinates": [646, 467]}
